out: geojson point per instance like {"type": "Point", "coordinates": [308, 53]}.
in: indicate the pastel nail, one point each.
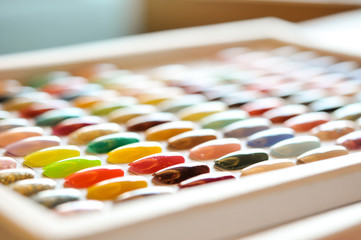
{"type": "Point", "coordinates": [155, 162]}
{"type": "Point", "coordinates": [205, 179]}
{"type": "Point", "coordinates": [32, 144]}
{"type": "Point", "coordinates": [191, 139]}
{"type": "Point", "coordinates": [16, 134]}
{"type": "Point", "coordinates": [107, 143]}
{"type": "Point", "coordinates": [68, 166]}
{"type": "Point", "coordinates": [329, 104]}
{"type": "Point", "coordinates": [321, 154]}
{"type": "Point", "coordinates": [167, 130]}
{"type": "Point", "coordinates": [4, 115]}
{"type": "Point", "coordinates": [308, 96]}
{"type": "Point", "coordinates": [217, 92]}
{"type": "Point", "coordinates": [178, 173]}
{"type": "Point", "coordinates": [214, 149]}
{"type": "Point", "coordinates": [133, 151]}
{"type": "Point", "coordinates": [49, 155]}
{"type": "Point", "coordinates": [348, 112]}
{"type": "Point", "coordinates": [240, 159]}
{"type": "Point", "coordinates": [294, 147]}
{"type": "Point", "coordinates": [246, 127]}
{"type": "Point", "coordinates": [112, 188]}
{"type": "Point", "coordinates": [77, 207]}
{"type": "Point", "coordinates": [29, 187]}
{"type": "Point", "coordinates": [269, 137]}
{"type": "Point", "coordinates": [222, 119]}
{"type": "Point", "coordinates": [90, 176]}
{"type": "Point", "coordinates": [240, 98]}
{"type": "Point", "coordinates": [86, 134]}
{"type": "Point", "coordinates": [267, 166]}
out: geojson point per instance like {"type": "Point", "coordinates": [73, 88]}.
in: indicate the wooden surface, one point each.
{"type": "Point", "coordinates": [165, 14]}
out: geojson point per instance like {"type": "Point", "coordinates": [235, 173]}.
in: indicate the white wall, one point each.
{"type": "Point", "coordinates": [34, 24]}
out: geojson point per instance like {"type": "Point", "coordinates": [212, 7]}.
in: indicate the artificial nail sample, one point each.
{"type": "Point", "coordinates": [155, 162]}
{"type": "Point", "coordinates": [124, 114]}
{"type": "Point", "coordinates": [107, 143]}
{"type": "Point", "coordinates": [283, 113]}
{"type": "Point", "coordinates": [215, 149]}
{"type": "Point", "coordinates": [206, 178]}
{"type": "Point", "coordinates": [223, 119]}
{"type": "Point", "coordinates": [294, 147]}
{"type": "Point", "coordinates": [175, 105]}
{"type": "Point", "coordinates": [86, 134]}
{"type": "Point", "coordinates": [90, 176]}
{"type": "Point", "coordinates": [180, 172]}
{"type": "Point", "coordinates": [322, 153]}
{"type": "Point", "coordinates": [68, 126]}
{"type": "Point", "coordinates": [191, 139]}
{"type": "Point", "coordinates": [348, 112]}
{"type": "Point", "coordinates": [112, 188]}
{"type": "Point", "coordinates": [53, 197]}
{"type": "Point", "coordinates": [246, 127]}
{"type": "Point", "coordinates": [53, 117]}
{"type": "Point", "coordinates": [351, 141]}
{"type": "Point", "coordinates": [31, 144]}
{"type": "Point", "coordinates": [167, 130]}
{"type": "Point", "coordinates": [7, 163]}
{"type": "Point", "coordinates": [144, 192]}
{"type": "Point", "coordinates": [133, 151]}
{"type": "Point", "coordinates": [8, 176]}
{"type": "Point", "coordinates": [49, 155]}
{"type": "Point", "coordinates": [266, 166]}
{"type": "Point", "coordinates": [333, 129]}
{"type": "Point", "coordinates": [66, 167]}
{"type": "Point", "coordinates": [269, 137]}
{"type": "Point", "coordinates": [104, 108]}
{"type": "Point", "coordinates": [76, 207]}
{"type": "Point", "coordinates": [29, 187]}
{"type": "Point", "coordinates": [240, 159]}
{"type": "Point", "coordinates": [307, 121]}
{"type": "Point", "coordinates": [145, 122]}
{"type": "Point", "coordinates": [16, 134]}
{"type": "Point", "coordinates": [10, 123]}
{"type": "Point", "coordinates": [201, 110]}
{"type": "Point", "coordinates": [260, 106]}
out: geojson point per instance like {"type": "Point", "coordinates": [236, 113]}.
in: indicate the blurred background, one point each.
{"type": "Point", "coordinates": [36, 24]}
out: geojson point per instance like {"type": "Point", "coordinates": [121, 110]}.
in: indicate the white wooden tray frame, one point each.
{"type": "Point", "coordinates": [217, 211]}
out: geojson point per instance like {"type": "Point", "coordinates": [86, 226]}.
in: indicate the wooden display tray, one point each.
{"type": "Point", "coordinates": [216, 211]}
